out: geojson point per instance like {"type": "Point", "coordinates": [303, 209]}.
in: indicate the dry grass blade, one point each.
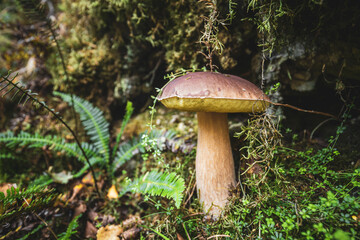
{"type": "Point", "coordinates": [262, 137]}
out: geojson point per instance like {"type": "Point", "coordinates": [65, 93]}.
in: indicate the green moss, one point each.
{"type": "Point", "coordinates": [113, 40]}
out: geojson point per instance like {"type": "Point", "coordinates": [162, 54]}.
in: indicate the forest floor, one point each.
{"type": "Point", "coordinates": [306, 188]}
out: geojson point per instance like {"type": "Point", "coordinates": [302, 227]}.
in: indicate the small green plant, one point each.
{"type": "Point", "coordinates": [302, 195]}
{"type": "Point", "coordinates": [99, 152]}
{"type": "Point", "coordinates": [153, 183]}
{"type": "Point", "coordinates": [20, 201]}
{"type": "Point", "coordinates": [158, 184]}
{"type": "Point", "coordinates": [70, 229]}
{"type": "Point", "coordinates": [23, 96]}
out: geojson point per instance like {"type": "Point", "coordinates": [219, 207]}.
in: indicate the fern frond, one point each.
{"type": "Point", "coordinates": [126, 151]}
{"type": "Point", "coordinates": [128, 113]}
{"type": "Point", "coordinates": [6, 82]}
{"type": "Point", "coordinates": [167, 185]}
{"type": "Point", "coordinates": [7, 156]}
{"type": "Point", "coordinates": [32, 232]}
{"type": "Point", "coordinates": [93, 161]}
{"type": "Point", "coordinates": [162, 137]}
{"type": "Point", "coordinates": [13, 204]}
{"type": "Point", "coordinates": [134, 146]}
{"type": "Point", "coordinates": [33, 9]}
{"type": "Point", "coordinates": [70, 229]}
{"type": "Point", "coordinates": [8, 86]}
{"type": "Point", "coordinates": [94, 123]}
{"type": "Point", "coordinates": [54, 143]}
{"type": "Point", "coordinates": [41, 181]}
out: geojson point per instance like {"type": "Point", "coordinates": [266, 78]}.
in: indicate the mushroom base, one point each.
{"type": "Point", "coordinates": [215, 172]}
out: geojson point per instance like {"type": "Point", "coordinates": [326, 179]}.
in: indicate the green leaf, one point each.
{"type": "Point", "coordinates": [134, 146]}
{"type": "Point", "coordinates": [129, 111]}
{"type": "Point", "coordinates": [167, 185]}
{"type": "Point", "coordinates": [93, 121]}
{"type": "Point", "coordinates": [126, 151]}
{"type": "Point", "coordinates": [12, 205]}
{"type": "Point", "coordinates": [54, 143]}
{"type": "Point", "coordinates": [70, 229]}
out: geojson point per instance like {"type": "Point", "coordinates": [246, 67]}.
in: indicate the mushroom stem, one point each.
{"type": "Point", "coordinates": [215, 172]}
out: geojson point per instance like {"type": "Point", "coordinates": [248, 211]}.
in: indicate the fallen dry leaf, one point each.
{"type": "Point", "coordinates": [88, 179]}
{"type": "Point", "coordinates": [76, 190]}
{"type": "Point", "coordinates": [113, 194]}
{"type": "Point", "coordinates": [92, 215]}
{"type": "Point", "coordinates": [110, 232]}
{"type": "Point", "coordinates": [90, 230]}
{"type": "Point", "coordinates": [131, 221]}
{"type": "Point", "coordinates": [131, 233]}
{"type": "Point", "coordinates": [98, 217]}
{"type": "Point", "coordinates": [179, 237]}
{"type": "Point", "coordinates": [81, 208]}
{"type": "Point", "coordinates": [62, 177]}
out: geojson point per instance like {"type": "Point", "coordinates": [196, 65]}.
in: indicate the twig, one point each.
{"type": "Point", "coordinates": [216, 236]}
{"type": "Point", "coordinates": [304, 110]}
{"type": "Point", "coordinates": [153, 72]}
{"type": "Point", "coordinates": [263, 64]}
{"type": "Point", "coordinates": [192, 215]}
{"type": "Point", "coordinates": [259, 229]}
{"type": "Point", "coordinates": [41, 219]}
{"type": "Point", "coordinates": [187, 234]}
{"type": "Point", "coordinates": [318, 126]}
{"type": "Point", "coordinates": [62, 59]}
{"type": "Point", "coordinates": [192, 191]}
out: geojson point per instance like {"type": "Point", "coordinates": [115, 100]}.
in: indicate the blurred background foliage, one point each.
{"type": "Point", "coordinates": [116, 51]}
{"type": "Point", "coordinates": [120, 49]}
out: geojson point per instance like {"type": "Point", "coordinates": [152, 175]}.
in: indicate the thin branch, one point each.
{"type": "Point", "coordinates": [62, 59]}
{"type": "Point", "coordinates": [304, 110]}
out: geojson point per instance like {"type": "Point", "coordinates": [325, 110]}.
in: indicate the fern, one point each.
{"type": "Point", "coordinates": [13, 204]}
{"type": "Point", "coordinates": [126, 151]}
{"type": "Point", "coordinates": [33, 9]}
{"type": "Point", "coordinates": [70, 229]}
{"type": "Point", "coordinates": [32, 232]}
{"type": "Point", "coordinates": [93, 161]}
{"type": "Point", "coordinates": [162, 137]}
{"type": "Point", "coordinates": [167, 185]}
{"type": "Point", "coordinates": [128, 113]}
{"type": "Point", "coordinates": [42, 181]}
{"type": "Point", "coordinates": [7, 156]}
{"type": "Point", "coordinates": [53, 142]}
{"type": "Point", "coordinates": [134, 146]}
{"type": "Point", "coordinates": [93, 121]}
{"type": "Point", "coordinates": [9, 84]}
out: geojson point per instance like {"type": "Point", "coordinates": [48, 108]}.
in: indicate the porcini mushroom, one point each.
{"type": "Point", "coordinates": [212, 96]}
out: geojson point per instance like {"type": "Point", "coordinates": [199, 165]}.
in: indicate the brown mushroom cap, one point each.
{"type": "Point", "coordinates": [213, 92]}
